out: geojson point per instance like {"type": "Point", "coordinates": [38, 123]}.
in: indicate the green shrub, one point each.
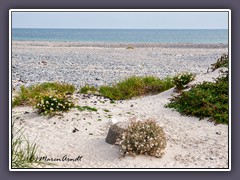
{"type": "Point", "coordinates": [182, 79]}
{"type": "Point", "coordinates": [88, 89]}
{"type": "Point", "coordinates": [207, 99]}
{"type": "Point", "coordinates": [28, 96]}
{"type": "Point", "coordinates": [51, 104]}
{"type": "Point", "coordinates": [143, 137]}
{"type": "Point", "coordinates": [136, 86]}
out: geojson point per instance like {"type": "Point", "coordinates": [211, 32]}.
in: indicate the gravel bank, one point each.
{"type": "Point", "coordinates": [105, 63]}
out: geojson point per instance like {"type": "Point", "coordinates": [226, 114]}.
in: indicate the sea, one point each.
{"type": "Point", "coordinates": [122, 35]}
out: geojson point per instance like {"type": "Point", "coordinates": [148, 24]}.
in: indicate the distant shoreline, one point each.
{"type": "Point", "coordinates": [117, 44]}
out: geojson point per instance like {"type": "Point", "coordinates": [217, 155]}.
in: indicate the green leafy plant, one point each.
{"type": "Point", "coordinates": [207, 99]}
{"type": "Point", "coordinates": [51, 104]}
{"type": "Point", "coordinates": [182, 79]}
{"type": "Point", "coordinates": [142, 137]}
{"type": "Point", "coordinates": [27, 96]}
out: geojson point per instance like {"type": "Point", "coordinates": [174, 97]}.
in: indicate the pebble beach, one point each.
{"type": "Point", "coordinates": [190, 143]}
{"type": "Point", "coordinates": [106, 63]}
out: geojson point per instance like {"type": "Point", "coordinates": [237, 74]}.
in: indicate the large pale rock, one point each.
{"type": "Point", "coordinates": [115, 130]}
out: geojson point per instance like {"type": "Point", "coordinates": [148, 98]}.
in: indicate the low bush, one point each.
{"type": "Point", "coordinates": [182, 79]}
{"type": "Point", "coordinates": [28, 96]}
{"type": "Point", "coordinates": [207, 99]}
{"type": "Point", "coordinates": [51, 104]}
{"type": "Point", "coordinates": [143, 137]}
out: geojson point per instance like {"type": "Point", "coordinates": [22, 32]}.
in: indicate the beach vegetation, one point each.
{"type": "Point", "coordinates": [85, 108]}
{"type": "Point", "coordinates": [27, 96]}
{"type": "Point", "coordinates": [130, 47]}
{"type": "Point", "coordinates": [136, 86]}
{"type": "Point", "coordinates": [142, 137]}
{"type": "Point", "coordinates": [24, 154]}
{"type": "Point", "coordinates": [112, 101]}
{"type": "Point", "coordinates": [180, 80]}
{"type": "Point", "coordinates": [207, 99]}
{"type": "Point", "coordinates": [106, 110]}
{"type": "Point", "coordinates": [51, 104]}
{"type": "Point", "coordinates": [87, 89]}
{"type": "Point", "coordinates": [221, 62]}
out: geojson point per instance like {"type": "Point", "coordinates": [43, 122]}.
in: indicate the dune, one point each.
{"type": "Point", "coordinates": [77, 139]}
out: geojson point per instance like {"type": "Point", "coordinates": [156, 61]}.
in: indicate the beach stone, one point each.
{"type": "Point", "coordinates": [114, 132]}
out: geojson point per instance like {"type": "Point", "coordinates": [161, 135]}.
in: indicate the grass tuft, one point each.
{"type": "Point", "coordinates": [136, 86]}
{"type": "Point", "coordinates": [130, 47]}
{"type": "Point", "coordinates": [87, 89]}
{"type": "Point", "coordinates": [84, 108]}
{"type": "Point", "coordinates": [24, 153]}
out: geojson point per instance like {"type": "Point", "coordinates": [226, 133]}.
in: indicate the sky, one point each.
{"type": "Point", "coordinates": [121, 20]}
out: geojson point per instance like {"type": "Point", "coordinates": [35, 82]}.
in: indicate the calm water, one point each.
{"type": "Point", "coordinates": [122, 35]}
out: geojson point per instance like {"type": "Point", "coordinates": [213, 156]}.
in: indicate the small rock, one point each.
{"type": "Point", "coordinates": [44, 62]}
{"type": "Point", "coordinates": [90, 133]}
{"type": "Point", "coordinates": [218, 133]}
{"type": "Point", "coordinates": [75, 130]}
{"type": "Point", "coordinates": [131, 105]}
{"type": "Point", "coordinates": [114, 131]}
{"type": "Point", "coordinates": [26, 112]}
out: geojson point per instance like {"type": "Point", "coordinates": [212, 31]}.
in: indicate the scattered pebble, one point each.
{"type": "Point", "coordinates": [75, 130]}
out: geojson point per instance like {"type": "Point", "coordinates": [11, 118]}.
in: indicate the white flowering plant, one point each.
{"type": "Point", "coordinates": [142, 137]}
{"type": "Point", "coordinates": [182, 79]}
{"type": "Point", "coordinates": [51, 104]}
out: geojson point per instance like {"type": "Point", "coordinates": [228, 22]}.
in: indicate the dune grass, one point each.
{"type": "Point", "coordinates": [28, 95]}
{"type": "Point", "coordinates": [88, 89]}
{"type": "Point", "coordinates": [136, 86]}
{"type": "Point", "coordinates": [24, 153]}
